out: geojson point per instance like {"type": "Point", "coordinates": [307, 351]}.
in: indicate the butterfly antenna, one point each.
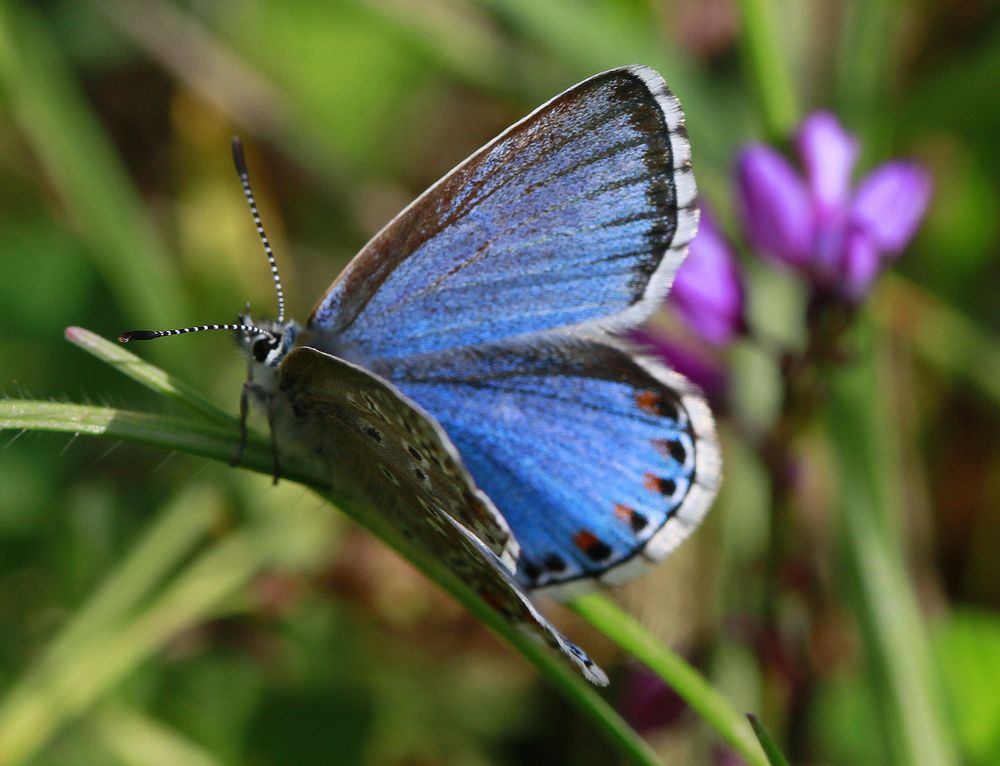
{"type": "Point", "coordinates": [241, 169]}
{"type": "Point", "coordinates": [125, 337]}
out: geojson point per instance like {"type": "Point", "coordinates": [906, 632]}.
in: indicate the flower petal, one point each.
{"type": "Point", "coordinates": [860, 264]}
{"type": "Point", "coordinates": [699, 363]}
{"type": "Point", "coordinates": [708, 291]}
{"type": "Point", "coordinates": [890, 203]}
{"type": "Point", "coordinates": [647, 703]}
{"type": "Point", "coordinates": [775, 205]}
{"type": "Point", "coordinates": [828, 153]}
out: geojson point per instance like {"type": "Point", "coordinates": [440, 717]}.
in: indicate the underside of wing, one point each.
{"type": "Point", "coordinates": [379, 441]}
{"type": "Point", "coordinates": [580, 213]}
{"type": "Point", "coordinates": [599, 461]}
{"type": "Point", "coordinates": [496, 586]}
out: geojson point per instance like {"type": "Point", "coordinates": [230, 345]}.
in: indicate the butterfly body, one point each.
{"type": "Point", "coordinates": [460, 377]}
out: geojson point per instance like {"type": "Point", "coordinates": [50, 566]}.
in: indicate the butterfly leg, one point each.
{"type": "Point", "coordinates": [244, 412]}
{"type": "Point", "coordinates": [260, 393]}
{"type": "Point", "coordinates": [275, 460]}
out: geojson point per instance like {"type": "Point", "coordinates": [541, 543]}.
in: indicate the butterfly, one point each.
{"type": "Point", "coordinates": [463, 377]}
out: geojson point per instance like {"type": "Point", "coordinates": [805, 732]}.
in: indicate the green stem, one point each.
{"type": "Point", "coordinates": [621, 628]}
{"type": "Point", "coordinates": [153, 378]}
{"type": "Point", "coordinates": [896, 643]}
{"type": "Point", "coordinates": [774, 755]}
{"type": "Point", "coordinates": [762, 52]}
{"type": "Point", "coordinates": [144, 636]}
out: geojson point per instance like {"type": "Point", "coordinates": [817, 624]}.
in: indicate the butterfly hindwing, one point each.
{"type": "Point", "coordinates": [384, 450]}
{"type": "Point", "coordinates": [579, 213]}
{"type": "Point", "coordinates": [598, 460]}
{"type": "Point", "coordinates": [496, 586]}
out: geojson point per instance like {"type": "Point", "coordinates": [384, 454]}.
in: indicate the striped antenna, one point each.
{"type": "Point", "coordinates": [241, 169]}
{"type": "Point", "coordinates": [125, 337]}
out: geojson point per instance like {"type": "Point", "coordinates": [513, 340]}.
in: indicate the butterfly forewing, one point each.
{"type": "Point", "coordinates": [579, 213]}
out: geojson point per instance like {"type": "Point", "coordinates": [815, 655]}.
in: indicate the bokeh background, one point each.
{"type": "Point", "coordinates": [237, 622]}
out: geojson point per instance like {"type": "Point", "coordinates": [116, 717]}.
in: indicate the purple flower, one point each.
{"type": "Point", "coordinates": [814, 222]}
{"type": "Point", "coordinates": [647, 703]}
{"type": "Point", "coordinates": [688, 356]}
{"type": "Point", "coordinates": [708, 290]}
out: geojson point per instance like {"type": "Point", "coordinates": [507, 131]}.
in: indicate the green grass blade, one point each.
{"type": "Point", "coordinates": [34, 711]}
{"type": "Point", "coordinates": [25, 729]}
{"type": "Point", "coordinates": [138, 740]}
{"type": "Point", "coordinates": [762, 53]}
{"type": "Point", "coordinates": [895, 637]}
{"type": "Point", "coordinates": [148, 375]}
{"type": "Point", "coordinates": [176, 532]}
{"type": "Point", "coordinates": [191, 436]}
{"type": "Point", "coordinates": [774, 755]}
{"type": "Point", "coordinates": [621, 628]}
{"type": "Point", "coordinates": [870, 56]}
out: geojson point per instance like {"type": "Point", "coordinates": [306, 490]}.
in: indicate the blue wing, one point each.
{"type": "Point", "coordinates": [579, 213]}
{"type": "Point", "coordinates": [402, 473]}
{"type": "Point", "coordinates": [598, 461]}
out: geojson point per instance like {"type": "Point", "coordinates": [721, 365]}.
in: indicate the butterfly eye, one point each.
{"type": "Point", "coordinates": [261, 348]}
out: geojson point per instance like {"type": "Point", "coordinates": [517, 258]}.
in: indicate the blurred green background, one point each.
{"type": "Point", "coordinates": [185, 612]}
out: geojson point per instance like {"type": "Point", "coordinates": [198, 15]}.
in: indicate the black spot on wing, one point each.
{"type": "Point", "coordinates": [658, 484]}
{"type": "Point", "coordinates": [671, 449]}
{"type": "Point", "coordinates": [593, 546]}
{"type": "Point", "coordinates": [636, 521]}
{"type": "Point", "coordinates": [531, 570]}
{"type": "Point", "coordinates": [554, 563]}
{"type": "Point", "coordinates": [372, 432]}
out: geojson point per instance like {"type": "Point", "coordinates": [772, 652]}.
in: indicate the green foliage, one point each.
{"type": "Point", "coordinates": [967, 645]}
{"type": "Point", "coordinates": [159, 608]}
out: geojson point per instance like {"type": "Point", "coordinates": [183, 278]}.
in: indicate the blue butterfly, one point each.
{"type": "Point", "coordinates": [461, 378]}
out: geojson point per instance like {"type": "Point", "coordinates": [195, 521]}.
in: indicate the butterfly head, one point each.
{"type": "Point", "coordinates": [266, 342]}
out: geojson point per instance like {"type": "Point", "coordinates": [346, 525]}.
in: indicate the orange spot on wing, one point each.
{"type": "Point", "coordinates": [585, 540]}
{"type": "Point", "coordinates": [652, 483]}
{"type": "Point", "coordinates": [663, 447]}
{"type": "Point", "coordinates": [648, 401]}
{"type": "Point", "coordinates": [624, 513]}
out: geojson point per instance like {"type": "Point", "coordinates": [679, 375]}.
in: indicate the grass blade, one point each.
{"type": "Point", "coordinates": [769, 73]}
{"type": "Point", "coordinates": [148, 375]}
{"type": "Point", "coordinates": [138, 740]}
{"type": "Point", "coordinates": [895, 636]}
{"type": "Point", "coordinates": [209, 440]}
{"type": "Point", "coordinates": [621, 628]}
{"type": "Point", "coordinates": [774, 755]}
